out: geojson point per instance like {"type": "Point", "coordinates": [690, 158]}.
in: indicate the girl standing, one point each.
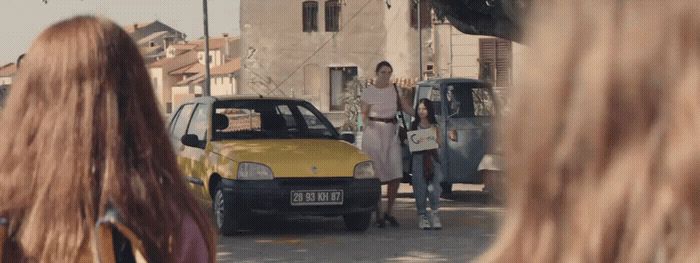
{"type": "Point", "coordinates": [426, 170]}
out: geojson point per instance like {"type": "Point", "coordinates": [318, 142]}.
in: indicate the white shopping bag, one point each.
{"type": "Point", "coordinates": [422, 139]}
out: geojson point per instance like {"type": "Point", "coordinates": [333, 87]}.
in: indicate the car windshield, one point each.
{"type": "Point", "coordinates": [268, 119]}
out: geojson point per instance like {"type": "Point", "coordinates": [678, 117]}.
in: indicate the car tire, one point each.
{"type": "Point", "coordinates": [493, 184]}
{"type": "Point", "coordinates": [358, 222]}
{"type": "Point", "coordinates": [225, 218]}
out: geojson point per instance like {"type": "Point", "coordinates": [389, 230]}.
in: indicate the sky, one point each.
{"type": "Point", "coordinates": [22, 20]}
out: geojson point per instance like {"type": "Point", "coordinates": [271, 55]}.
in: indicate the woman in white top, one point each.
{"type": "Point", "coordinates": [380, 140]}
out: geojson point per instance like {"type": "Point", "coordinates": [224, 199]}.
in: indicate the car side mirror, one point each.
{"type": "Point", "coordinates": [190, 140]}
{"type": "Point", "coordinates": [348, 137]}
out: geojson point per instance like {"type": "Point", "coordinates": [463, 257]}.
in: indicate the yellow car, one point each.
{"type": "Point", "coordinates": [271, 156]}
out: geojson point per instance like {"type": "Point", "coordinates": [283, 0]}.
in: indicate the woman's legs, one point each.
{"type": "Point", "coordinates": [379, 216]}
{"type": "Point", "coordinates": [392, 190]}
{"type": "Point", "coordinates": [434, 195]}
{"type": "Point", "coordinates": [420, 187]}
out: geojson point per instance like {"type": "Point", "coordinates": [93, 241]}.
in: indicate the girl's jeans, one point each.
{"type": "Point", "coordinates": [420, 186]}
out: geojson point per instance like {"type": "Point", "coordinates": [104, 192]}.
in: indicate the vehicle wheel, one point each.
{"type": "Point", "coordinates": [226, 221]}
{"type": "Point", "coordinates": [493, 184]}
{"type": "Point", "coordinates": [357, 222]}
{"type": "Point", "coordinates": [446, 188]}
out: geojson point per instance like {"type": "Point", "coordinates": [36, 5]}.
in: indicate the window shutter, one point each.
{"type": "Point", "coordinates": [332, 16]}
{"type": "Point", "coordinates": [310, 16]}
{"type": "Point", "coordinates": [495, 61]}
{"type": "Point", "coordinates": [504, 53]}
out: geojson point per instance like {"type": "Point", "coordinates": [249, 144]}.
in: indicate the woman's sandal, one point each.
{"type": "Point", "coordinates": [381, 223]}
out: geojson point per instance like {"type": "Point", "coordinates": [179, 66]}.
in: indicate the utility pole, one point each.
{"type": "Point", "coordinates": [420, 41]}
{"type": "Point", "coordinates": [207, 80]}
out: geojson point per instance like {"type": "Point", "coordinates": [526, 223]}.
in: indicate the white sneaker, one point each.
{"type": "Point", "coordinates": [423, 222]}
{"type": "Point", "coordinates": [435, 221]}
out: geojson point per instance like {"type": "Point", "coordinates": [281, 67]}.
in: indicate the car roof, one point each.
{"type": "Point", "coordinates": [432, 82]}
{"type": "Point", "coordinates": [212, 99]}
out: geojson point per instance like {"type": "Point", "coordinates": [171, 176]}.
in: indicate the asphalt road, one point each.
{"type": "Point", "coordinates": [469, 224]}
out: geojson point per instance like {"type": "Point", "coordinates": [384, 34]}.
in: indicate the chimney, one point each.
{"type": "Point", "coordinates": [136, 26]}
{"type": "Point", "coordinates": [224, 34]}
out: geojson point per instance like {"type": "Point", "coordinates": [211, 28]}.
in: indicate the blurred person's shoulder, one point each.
{"type": "Point", "coordinates": [193, 246]}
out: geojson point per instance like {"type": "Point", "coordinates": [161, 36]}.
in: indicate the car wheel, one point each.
{"type": "Point", "coordinates": [493, 185]}
{"type": "Point", "coordinates": [226, 221]}
{"type": "Point", "coordinates": [358, 221]}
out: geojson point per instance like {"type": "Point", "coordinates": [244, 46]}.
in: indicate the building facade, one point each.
{"type": "Point", "coordinates": [457, 54]}
{"type": "Point", "coordinates": [224, 66]}
{"type": "Point", "coordinates": [153, 38]}
{"type": "Point", "coordinates": [318, 46]}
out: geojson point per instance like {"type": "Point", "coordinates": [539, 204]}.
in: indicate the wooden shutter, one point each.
{"type": "Point", "coordinates": [332, 16]}
{"type": "Point", "coordinates": [504, 62]}
{"type": "Point", "coordinates": [496, 61]}
{"type": "Point", "coordinates": [310, 16]}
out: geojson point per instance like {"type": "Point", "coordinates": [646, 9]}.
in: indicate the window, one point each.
{"type": "Point", "coordinates": [425, 15]}
{"type": "Point", "coordinates": [310, 16]}
{"type": "Point", "coordinates": [332, 16]}
{"type": "Point", "coordinates": [313, 123]}
{"type": "Point", "coordinates": [339, 78]}
{"type": "Point", "coordinates": [483, 102]}
{"type": "Point", "coordinates": [200, 121]}
{"type": "Point", "coordinates": [271, 119]}
{"type": "Point", "coordinates": [183, 119]}
{"type": "Point", "coordinates": [467, 100]}
{"type": "Point", "coordinates": [286, 113]}
{"type": "Point", "coordinates": [495, 61]}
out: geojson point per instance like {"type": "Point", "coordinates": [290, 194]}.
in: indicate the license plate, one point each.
{"type": "Point", "coordinates": [316, 197]}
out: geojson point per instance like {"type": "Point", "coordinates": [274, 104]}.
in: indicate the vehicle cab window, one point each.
{"type": "Point", "coordinates": [465, 100]}
{"type": "Point", "coordinates": [483, 102]}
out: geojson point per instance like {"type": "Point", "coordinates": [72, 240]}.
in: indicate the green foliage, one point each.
{"type": "Point", "coordinates": [351, 99]}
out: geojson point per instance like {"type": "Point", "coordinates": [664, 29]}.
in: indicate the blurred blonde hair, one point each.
{"type": "Point", "coordinates": [603, 143]}
{"type": "Point", "coordinates": [81, 132]}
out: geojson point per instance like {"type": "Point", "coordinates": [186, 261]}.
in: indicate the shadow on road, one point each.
{"type": "Point", "coordinates": [469, 224]}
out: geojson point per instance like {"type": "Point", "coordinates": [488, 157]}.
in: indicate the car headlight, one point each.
{"type": "Point", "coordinates": [364, 170]}
{"type": "Point", "coordinates": [254, 171]}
